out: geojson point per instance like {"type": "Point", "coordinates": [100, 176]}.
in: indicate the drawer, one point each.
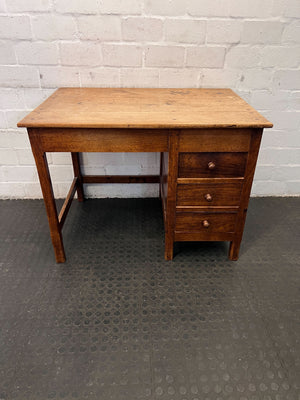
{"type": "Point", "coordinates": [219, 194]}
{"type": "Point", "coordinates": [221, 140]}
{"type": "Point", "coordinates": [212, 165]}
{"type": "Point", "coordinates": [205, 222]}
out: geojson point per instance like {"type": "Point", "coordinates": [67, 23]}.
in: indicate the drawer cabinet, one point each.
{"type": "Point", "coordinates": [211, 182]}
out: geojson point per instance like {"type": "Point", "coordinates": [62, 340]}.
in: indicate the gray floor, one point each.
{"type": "Point", "coordinates": [116, 321]}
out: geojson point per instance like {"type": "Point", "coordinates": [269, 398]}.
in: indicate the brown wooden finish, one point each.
{"type": "Point", "coordinates": [160, 173]}
{"type": "Point", "coordinates": [46, 186]}
{"type": "Point", "coordinates": [214, 140]}
{"type": "Point", "coordinates": [205, 221]}
{"type": "Point", "coordinates": [227, 194]}
{"type": "Point", "coordinates": [144, 108]}
{"type": "Point", "coordinates": [206, 181]}
{"type": "Point", "coordinates": [249, 174]}
{"type": "Point", "coordinates": [171, 196]}
{"type": "Point", "coordinates": [205, 236]}
{"type": "Point", "coordinates": [208, 140]}
{"type": "Point", "coordinates": [207, 208]}
{"type": "Point", "coordinates": [120, 179]}
{"type": "Point", "coordinates": [77, 174]}
{"type": "Point", "coordinates": [103, 140]}
{"type": "Point", "coordinates": [210, 165]}
{"type": "Point", "coordinates": [67, 203]}
{"type": "Point", "coordinates": [164, 183]}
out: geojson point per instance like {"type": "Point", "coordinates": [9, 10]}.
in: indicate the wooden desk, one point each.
{"type": "Point", "coordinates": [208, 139]}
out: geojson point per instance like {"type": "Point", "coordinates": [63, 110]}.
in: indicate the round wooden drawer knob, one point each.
{"type": "Point", "coordinates": [211, 165]}
{"type": "Point", "coordinates": [208, 197]}
{"type": "Point", "coordinates": [205, 223]}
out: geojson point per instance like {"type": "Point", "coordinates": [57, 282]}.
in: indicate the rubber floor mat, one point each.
{"type": "Point", "coordinates": [117, 321]}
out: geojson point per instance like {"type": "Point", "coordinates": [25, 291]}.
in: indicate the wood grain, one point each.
{"type": "Point", "coordinates": [144, 108]}
{"type": "Point", "coordinates": [197, 165]}
{"type": "Point", "coordinates": [102, 140]}
{"type": "Point", "coordinates": [67, 203]}
{"type": "Point", "coordinates": [78, 175]}
{"type": "Point", "coordinates": [203, 236]}
{"type": "Point", "coordinates": [171, 194]}
{"type": "Point", "coordinates": [227, 194]}
{"type": "Point", "coordinates": [210, 140]}
{"type": "Point", "coordinates": [47, 190]}
{"type": "Point", "coordinates": [210, 180]}
{"type": "Point", "coordinates": [194, 221]}
{"type": "Point", "coordinates": [120, 179]}
{"type": "Point", "coordinates": [164, 183]}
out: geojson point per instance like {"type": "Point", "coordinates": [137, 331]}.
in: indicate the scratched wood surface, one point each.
{"type": "Point", "coordinates": [144, 108]}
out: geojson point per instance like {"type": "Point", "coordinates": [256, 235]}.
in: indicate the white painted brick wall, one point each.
{"type": "Point", "coordinates": [80, 53]}
{"type": "Point", "coordinates": [100, 77]}
{"type": "Point", "coordinates": [252, 47]}
{"type": "Point", "coordinates": [120, 7]}
{"type": "Point", "coordinates": [185, 30]}
{"type": "Point", "coordinates": [205, 56]}
{"type": "Point", "coordinates": [291, 33]}
{"type": "Point", "coordinates": [36, 53]}
{"type": "Point", "coordinates": [262, 32]}
{"type": "Point", "coordinates": [7, 54]}
{"type": "Point", "coordinates": [224, 31]}
{"type": "Point", "coordinates": [75, 6]}
{"type": "Point", "coordinates": [165, 7]}
{"type": "Point", "coordinates": [139, 77]}
{"type": "Point", "coordinates": [145, 29]}
{"type": "Point", "coordinates": [50, 27]}
{"type": "Point", "coordinates": [54, 77]}
{"type": "Point", "coordinates": [254, 8]}
{"type": "Point", "coordinates": [164, 56]}
{"type": "Point", "coordinates": [15, 27]}
{"type": "Point", "coordinates": [99, 27]}
{"type": "Point", "coordinates": [127, 55]}
{"type": "Point", "coordinates": [212, 8]}
{"type": "Point", "coordinates": [28, 5]}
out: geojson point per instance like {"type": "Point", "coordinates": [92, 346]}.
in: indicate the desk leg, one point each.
{"type": "Point", "coordinates": [46, 185]}
{"type": "Point", "coordinates": [77, 173]}
{"type": "Point", "coordinates": [234, 249]}
{"type": "Point", "coordinates": [246, 190]}
{"type": "Point", "coordinates": [171, 196]}
{"type": "Point", "coordinates": [160, 173]}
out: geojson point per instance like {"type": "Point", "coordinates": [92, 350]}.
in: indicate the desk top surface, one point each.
{"type": "Point", "coordinates": [144, 108]}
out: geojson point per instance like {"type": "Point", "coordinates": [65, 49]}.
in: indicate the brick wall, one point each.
{"type": "Point", "coordinates": [252, 47]}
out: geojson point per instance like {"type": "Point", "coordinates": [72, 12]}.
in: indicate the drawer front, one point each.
{"type": "Point", "coordinates": [212, 165]}
{"type": "Point", "coordinates": [205, 222]}
{"type": "Point", "coordinates": [221, 194]}
{"type": "Point", "coordinates": [221, 140]}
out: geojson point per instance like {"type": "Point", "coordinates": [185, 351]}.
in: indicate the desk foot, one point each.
{"type": "Point", "coordinates": [169, 247]}
{"type": "Point", "coordinates": [234, 250]}
{"type": "Point", "coordinates": [58, 246]}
